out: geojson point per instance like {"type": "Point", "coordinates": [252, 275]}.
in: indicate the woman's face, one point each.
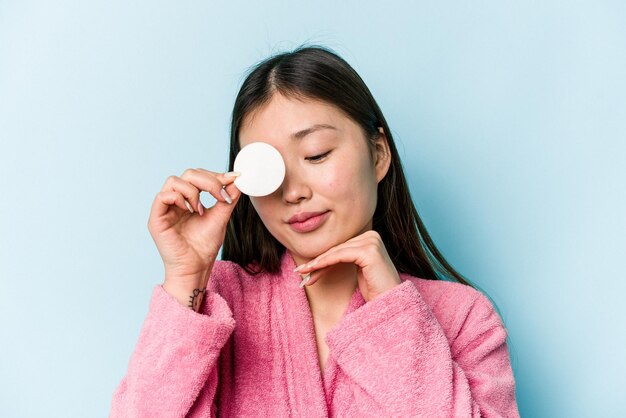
{"type": "Point", "coordinates": [330, 172]}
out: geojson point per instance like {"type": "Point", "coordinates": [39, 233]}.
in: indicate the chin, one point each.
{"type": "Point", "coordinates": [307, 253]}
{"type": "Point", "coordinates": [312, 249]}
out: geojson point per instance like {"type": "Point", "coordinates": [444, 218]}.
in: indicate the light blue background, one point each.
{"type": "Point", "coordinates": [510, 118]}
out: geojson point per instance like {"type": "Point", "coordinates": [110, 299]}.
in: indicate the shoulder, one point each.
{"type": "Point", "coordinates": [463, 312]}
{"type": "Point", "coordinates": [444, 295]}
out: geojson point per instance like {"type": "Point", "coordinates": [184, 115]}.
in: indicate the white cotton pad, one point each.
{"type": "Point", "coordinates": [262, 169]}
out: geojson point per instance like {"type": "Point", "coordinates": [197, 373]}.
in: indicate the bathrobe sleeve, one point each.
{"type": "Point", "coordinates": [176, 356]}
{"type": "Point", "coordinates": [394, 359]}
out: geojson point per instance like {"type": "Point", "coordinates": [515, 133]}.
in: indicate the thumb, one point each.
{"type": "Point", "coordinates": [225, 209]}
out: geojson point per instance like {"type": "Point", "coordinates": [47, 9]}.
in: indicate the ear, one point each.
{"type": "Point", "coordinates": [382, 156]}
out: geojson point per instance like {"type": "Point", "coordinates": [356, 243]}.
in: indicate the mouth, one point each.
{"type": "Point", "coordinates": [307, 221]}
{"type": "Point", "coordinates": [303, 216]}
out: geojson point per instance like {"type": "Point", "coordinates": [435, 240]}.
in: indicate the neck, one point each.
{"type": "Point", "coordinates": [330, 295]}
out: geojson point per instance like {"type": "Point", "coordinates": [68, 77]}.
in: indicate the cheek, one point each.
{"type": "Point", "coordinates": [335, 179]}
{"type": "Point", "coordinates": [262, 206]}
{"type": "Point", "coordinates": [349, 182]}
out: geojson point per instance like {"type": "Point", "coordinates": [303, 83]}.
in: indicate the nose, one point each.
{"type": "Point", "coordinates": [295, 187]}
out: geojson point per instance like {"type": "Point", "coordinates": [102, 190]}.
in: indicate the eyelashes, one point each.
{"type": "Point", "coordinates": [318, 158]}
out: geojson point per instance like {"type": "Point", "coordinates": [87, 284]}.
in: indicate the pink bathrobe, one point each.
{"type": "Point", "coordinates": [426, 348]}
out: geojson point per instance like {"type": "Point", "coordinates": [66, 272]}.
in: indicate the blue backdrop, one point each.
{"type": "Point", "coordinates": [510, 118]}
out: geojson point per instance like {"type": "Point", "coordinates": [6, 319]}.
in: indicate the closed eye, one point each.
{"type": "Point", "coordinates": [317, 158]}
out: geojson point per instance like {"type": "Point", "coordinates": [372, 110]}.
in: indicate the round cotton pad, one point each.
{"type": "Point", "coordinates": [262, 169]}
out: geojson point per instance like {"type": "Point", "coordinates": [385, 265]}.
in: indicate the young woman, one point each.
{"type": "Point", "coordinates": [329, 298]}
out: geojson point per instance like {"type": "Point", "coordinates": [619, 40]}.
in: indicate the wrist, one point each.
{"type": "Point", "coordinates": [188, 295]}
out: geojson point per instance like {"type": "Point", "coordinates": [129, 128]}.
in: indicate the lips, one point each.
{"type": "Point", "coordinates": [303, 216]}
{"type": "Point", "coordinates": [307, 221]}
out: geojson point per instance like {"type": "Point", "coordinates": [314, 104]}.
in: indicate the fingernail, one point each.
{"type": "Point", "coordinates": [200, 208]}
{"type": "Point", "coordinates": [226, 197]}
{"type": "Point", "coordinates": [311, 264]}
{"type": "Point", "coordinates": [232, 174]}
{"type": "Point", "coordinates": [188, 206]}
{"type": "Point", "coordinates": [305, 280]}
{"type": "Point", "coordinates": [300, 267]}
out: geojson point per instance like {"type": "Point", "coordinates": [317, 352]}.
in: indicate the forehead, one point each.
{"type": "Point", "coordinates": [282, 116]}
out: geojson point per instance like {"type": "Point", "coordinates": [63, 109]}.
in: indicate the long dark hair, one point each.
{"type": "Point", "coordinates": [317, 72]}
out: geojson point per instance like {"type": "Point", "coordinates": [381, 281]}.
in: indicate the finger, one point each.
{"type": "Point", "coordinates": [188, 190]}
{"type": "Point", "coordinates": [208, 181]}
{"type": "Point", "coordinates": [165, 200]}
{"type": "Point", "coordinates": [233, 192]}
{"type": "Point", "coordinates": [371, 237]}
{"type": "Point", "coordinates": [357, 242]}
{"type": "Point", "coordinates": [344, 255]}
{"type": "Point", "coordinates": [368, 240]}
{"type": "Point", "coordinates": [224, 178]}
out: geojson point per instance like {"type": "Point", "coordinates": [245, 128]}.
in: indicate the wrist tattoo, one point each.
{"type": "Point", "coordinates": [195, 299]}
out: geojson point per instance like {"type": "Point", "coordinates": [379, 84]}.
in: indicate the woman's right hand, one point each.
{"type": "Point", "coordinates": [188, 242]}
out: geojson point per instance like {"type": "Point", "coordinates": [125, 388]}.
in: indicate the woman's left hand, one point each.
{"type": "Point", "coordinates": [375, 272]}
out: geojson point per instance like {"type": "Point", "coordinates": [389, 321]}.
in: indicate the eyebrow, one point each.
{"type": "Point", "coordinates": [319, 126]}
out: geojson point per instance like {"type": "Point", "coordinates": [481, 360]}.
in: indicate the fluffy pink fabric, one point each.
{"type": "Point", "coordinates": [426, 348]}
